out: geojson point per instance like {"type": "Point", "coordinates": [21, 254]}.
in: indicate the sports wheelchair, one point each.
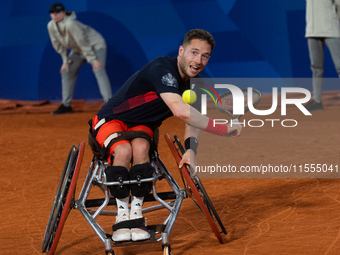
{"type": "Point", "coordinates": [64, 199]}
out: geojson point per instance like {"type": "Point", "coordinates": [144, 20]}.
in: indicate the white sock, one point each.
{"type": "Point", "coordinates": [122, 204]}
{"type": "Point", "coordinates": [137, 203]}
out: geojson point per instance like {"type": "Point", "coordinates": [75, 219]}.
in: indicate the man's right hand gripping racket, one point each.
{"type": "Point", "coordinates": [227, 103]}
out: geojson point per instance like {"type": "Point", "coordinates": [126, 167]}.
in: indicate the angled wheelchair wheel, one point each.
{"type": "Point", "coordinates": [63, 200]}
{"type": "Point", "coordinates": [196, 191]}
{"type": "Point", "coordinates": [207, 202]}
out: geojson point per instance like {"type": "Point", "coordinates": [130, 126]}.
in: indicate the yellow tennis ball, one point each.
{"type": "Point", "coordinates": [189, 96]}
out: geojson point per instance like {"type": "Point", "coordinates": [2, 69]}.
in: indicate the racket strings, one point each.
{"type": "Point", "coordinates": [227, 101]}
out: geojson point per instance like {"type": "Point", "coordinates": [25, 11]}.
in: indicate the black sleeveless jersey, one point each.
{"type": "Point", "coordinates": [138, 102]}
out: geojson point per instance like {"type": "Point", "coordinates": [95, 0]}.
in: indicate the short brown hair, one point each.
{"type": "Point", "coordinates": [199, 34]}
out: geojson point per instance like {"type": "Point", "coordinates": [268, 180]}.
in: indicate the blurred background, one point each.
{"type": "Point", "coordinates": [254, 39]}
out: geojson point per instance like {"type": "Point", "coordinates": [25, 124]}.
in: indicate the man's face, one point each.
{"type": "Point", "coordinates": [193, 58]}
{"type": "Point", "coordinates": [57, 16]}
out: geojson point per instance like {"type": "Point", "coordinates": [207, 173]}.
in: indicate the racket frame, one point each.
{"type": "Point", "coordinates": [246, 108]}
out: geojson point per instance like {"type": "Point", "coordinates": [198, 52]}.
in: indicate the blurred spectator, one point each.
{"type": "Point", "coordinates": [85, 44]}
{"type": "Point", "coordinates": [322, 27]}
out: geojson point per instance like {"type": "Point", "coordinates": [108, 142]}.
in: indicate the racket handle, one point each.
{"type": "Point", "coordinates": [234, 133]}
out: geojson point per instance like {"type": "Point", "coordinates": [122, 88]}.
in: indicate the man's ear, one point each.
{"type": "Point", "coordinates": [180, 50]}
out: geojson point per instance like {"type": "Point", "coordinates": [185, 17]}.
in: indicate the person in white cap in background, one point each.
{"type": "Point", "coordinates": [85, 45]}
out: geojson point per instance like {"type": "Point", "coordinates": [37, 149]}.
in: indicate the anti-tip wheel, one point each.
{"type": "Point", "coordinates": [166, 249]}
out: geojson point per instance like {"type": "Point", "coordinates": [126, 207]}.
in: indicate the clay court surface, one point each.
{"type": "Point", "coordinates": [261, 215]}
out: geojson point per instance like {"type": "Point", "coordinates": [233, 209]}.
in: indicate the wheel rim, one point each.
{"type": "Point", "coordinates": [55, 211]}
{"type": "Point", "coordinates": [65, 199]}
{"type": "Point", "coordinates": [208, 203]}
{"type": "Point", "coordinates": [203, 208]}
{"type": "Point", "coordinates": [191, 188]}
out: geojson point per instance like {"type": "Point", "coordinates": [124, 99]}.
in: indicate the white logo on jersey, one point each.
{"type": "Point", "coordinates": [169, 80]}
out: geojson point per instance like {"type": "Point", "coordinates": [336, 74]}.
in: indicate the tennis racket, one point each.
{"type": "Point", "coordinates": [225, 105]}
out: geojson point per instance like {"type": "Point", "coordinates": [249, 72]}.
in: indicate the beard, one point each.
{"type": "Point", "coordinates": [182, 66]}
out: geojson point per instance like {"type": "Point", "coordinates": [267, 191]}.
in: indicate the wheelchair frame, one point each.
{"type": "Point", "coordinates": [64, 199]}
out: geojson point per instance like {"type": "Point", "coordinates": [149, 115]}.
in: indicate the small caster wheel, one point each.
{"type": "Point", "coordinates": [166, 249]}
{"type": "Point", "coordinates": [109, 252]}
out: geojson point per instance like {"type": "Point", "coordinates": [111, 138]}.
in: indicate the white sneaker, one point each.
{"type": "Point", "coordinates": [138, 234]}
{"type": "Point", "coordinates": [122, 234]}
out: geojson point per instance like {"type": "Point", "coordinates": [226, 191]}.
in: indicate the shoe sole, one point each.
{"type": "Point", "coordinates": [137, 237]}
{"type": "Point", "coordinates": [315, 110]}
{"type": "Point", "coordinates": [124, 236]}
{"type": "Point", "coordinates": [53, 113]}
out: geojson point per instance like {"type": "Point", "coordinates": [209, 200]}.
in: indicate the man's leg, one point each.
{"type": "Point", "coordinates": [119, 172]}
{"type": "Point", "coordinates": [333, 45]}
{"type": "Point", "coordinates": [122, 152]}
{"type": "Point", "coordinates": [101, 76]}
{"type": "Point", "coordinates": [316, 47]}
{"type": "Point", "coordinates": [68, 79]}
{"type": "Point", "coordinates": [141, 169]}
